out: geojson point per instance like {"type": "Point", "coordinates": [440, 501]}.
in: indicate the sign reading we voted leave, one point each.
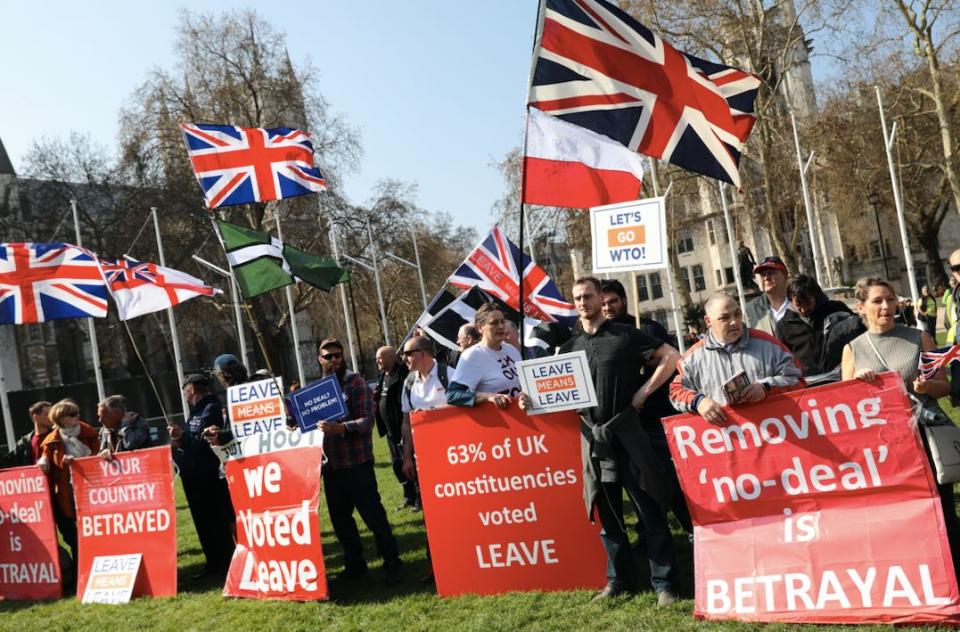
{"type": "Point", "coordinates": [256, 407]}
{"type": "Point", "coordinates": [321, 401]}
{"type": "Point", "coordinates": [560, 382]}
{"type": "Point", "coordinates": [629, 236]}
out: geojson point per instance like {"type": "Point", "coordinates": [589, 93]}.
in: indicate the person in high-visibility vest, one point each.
{"type": "Point", "coordinates": [927, 311]}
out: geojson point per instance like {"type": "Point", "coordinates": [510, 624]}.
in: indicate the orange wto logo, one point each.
{"type": "Point", "coordinates": [627, 236]}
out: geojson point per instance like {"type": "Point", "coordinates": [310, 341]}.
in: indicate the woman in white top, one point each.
{"type": "Point", "coordinates": [487, 371]}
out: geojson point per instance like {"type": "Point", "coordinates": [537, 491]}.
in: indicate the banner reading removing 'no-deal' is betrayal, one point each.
{"type": "Point", "coordinates": [29, 563]}
{"type": "Point", "coordinates": [125, 506]}
{"type": "Point", "coordinates": [816, 506]}
{"type": "Point", "coordinates": [274, 481]}
{"type": "Point", "coordinates": [503, 501]}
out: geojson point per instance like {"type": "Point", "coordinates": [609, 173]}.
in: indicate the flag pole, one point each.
{"type": "Point", "coordinates": [376, 279]}
{"type": "Point", "coordinates": [234, 293]}
{"type": "Point", "coordinates": [293, 321]}
{"type": "Point", "coordinates": [94, 347]}
{"type": "Point", "coordinates": [733, 250]}
{"type": "Point", "coordinates": [416, 257]}
{"type": "Point", "coordinates": [808, 207]}
{"type": "Point", "coordinates": [671, 287]}
{"type": "Point", "coordinates": [177, 356]}
{"type": "Point", "coordinates": [343, 300]}
{"type": "Point", "coordinates": [888, 140]}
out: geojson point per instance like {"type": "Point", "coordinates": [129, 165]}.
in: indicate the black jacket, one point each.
{"type": "Point", "coordinates": [808, 339]}
{"type": "Point", "coordinates": [21, 455]}
{"type": "Point", "coordinates": [389, 415]}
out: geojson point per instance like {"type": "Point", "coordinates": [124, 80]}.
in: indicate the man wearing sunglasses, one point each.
{"type": "Point", "coordinates": [349, 481]}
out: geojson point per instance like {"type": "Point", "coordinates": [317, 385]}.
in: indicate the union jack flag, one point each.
{"type": "Point", "coordinates": [599, 68]}
{"type": "Point", "coordinates": [494, 267]}
{"type": "Point", "coordinates": [933, 361]}
{"type": "Point", "coordinates": [140, 288]}
{"type": "Point", "coordinates": [41, 282]}
{"type": "Point", "coordinates": [238, 165]}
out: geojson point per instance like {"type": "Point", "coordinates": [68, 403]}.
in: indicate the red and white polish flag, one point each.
{"type": "Point", "coordinates": [570, 166]}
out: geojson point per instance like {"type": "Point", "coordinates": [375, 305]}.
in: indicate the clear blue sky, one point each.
{"type": "Point", "coordinates": [436, 88]}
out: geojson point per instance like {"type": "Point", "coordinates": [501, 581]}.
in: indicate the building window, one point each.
{"type": "Point", "coordinates": [719, 278]}
{"type": "Point", "coordinates": [711, 236]}
{"type": "Point", "coordinates": [661, 317]}
{"type": "Point", "coordinates": [685, 241]}
{"type": "Point", "coordinates": [685, 272]}
{"type": "Point", "coordinates": [728, 273]}
{"type": "Point", "coordinates": [655, 288]}
{"type": "Point", "coordinates": [642, 294]}
{"type": "Point", "coordinates": [699, 283]}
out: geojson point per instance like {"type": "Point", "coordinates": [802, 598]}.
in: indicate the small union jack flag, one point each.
{"type": "Point", "coordinates": [933, 361]}
{"type": "Point", "coordinates": [599, 68]}
{"type": "Point", "coordinates": [140, 288]}
{"type": "Point", "coordinates": [41, 282]}
{"type": "Point", "coordinates": [239, 165]}
{"type": "Point", "coordinates": [494, 266]}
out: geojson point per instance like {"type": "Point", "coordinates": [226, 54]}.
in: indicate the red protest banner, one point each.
{"type": "Point", "coordinates": [29, 559]}
{"type": "Point", "coordinates": [126, 506]}
{"type": "Point", "coordinates": [276, 493]}
{"type": "Point", "coordinates": [503, 501]}
{"type": "Point", "coordinates": [816, 506]}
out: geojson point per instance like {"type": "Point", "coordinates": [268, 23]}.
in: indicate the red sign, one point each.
{"type": "Point", "coordinates": [29, 562]}
{"type": "Point", "coordinates": [503, 501]}
{"type": "Point", "coordinates": [276, 495]}
{"type": "Point", "coordinates": [126, 506]}
{"type": "Point", "coordinates": [816, 506]}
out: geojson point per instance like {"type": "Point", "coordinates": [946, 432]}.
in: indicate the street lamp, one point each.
{"type": "Point", "coordinates": [874, 200]}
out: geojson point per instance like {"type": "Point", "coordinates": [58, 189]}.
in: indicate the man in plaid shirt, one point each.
{"type": "Point", "coordinates": [348, 477]}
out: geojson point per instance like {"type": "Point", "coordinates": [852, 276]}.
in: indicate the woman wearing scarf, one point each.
{"type": "Point", "coordinates": [70, 439]}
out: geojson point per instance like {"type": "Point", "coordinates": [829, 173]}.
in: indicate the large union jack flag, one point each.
{"type": "Point", "coordinates": [494, 266]}
{"type": "Point", "coordinates": [40, 282]}
{"type": "Point", "coordinates": [239, 165]}
{"type": "Point", "coordinates": [932, 361]}
{"type": "Point", "coordinates": [599, 68]}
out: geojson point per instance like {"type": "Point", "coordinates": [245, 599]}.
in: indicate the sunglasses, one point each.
{"type": "Point", "coordinates": [332, 356]}
{"type": "Point", "coordinates": [955, 267]}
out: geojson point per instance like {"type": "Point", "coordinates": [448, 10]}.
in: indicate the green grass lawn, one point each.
{"type": "Point", "coordinates": [368, 604]}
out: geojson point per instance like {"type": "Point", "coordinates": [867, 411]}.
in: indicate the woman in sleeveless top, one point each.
{"type": "Point", "coordinates": [888, 346]}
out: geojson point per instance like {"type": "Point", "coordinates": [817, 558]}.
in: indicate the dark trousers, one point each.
{"type": "Point", "coordinates": [213, 517]}
{"type": "Point", "coordinates": [411, 494]}
{"type": "Point", "coordinates": [621, 571]}
{"type": "Point", "coordinates": [678, 504]}
{"type": "Point", "coordinates": [356, 488]}
{"type": "Point", "coordinates": [68, 563]}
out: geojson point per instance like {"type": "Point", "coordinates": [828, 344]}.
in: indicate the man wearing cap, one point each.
{"type": "Point", "coordinates": [349, 481]}
{"type": "Point", "coordinates": [229, 371]}
{"type": "Point", "coordinates": [206, 492]}
{"type": "Point", "coordinates": [765, 311]}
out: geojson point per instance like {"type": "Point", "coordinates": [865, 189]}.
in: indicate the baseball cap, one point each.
{"type": "Point", "coordinates": [771, 263]}
{"type": "Point", "coordinates": [197, 378]}
{"type": "Point", "coordinates": [329, 342]}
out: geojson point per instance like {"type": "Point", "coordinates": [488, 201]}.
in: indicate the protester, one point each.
{"type": "Point", "coordinates": [806, 329]}
{"type": "Point", "coordinates": [949, 300]}
{"type": "Point", "coordinates": [203, 484]}
{"type": "Point", "coordinates": [424, 388]}
{"type": "Point", "coordinates": [27, 450]}
{"type": "Point", "coordinates": [730, 349]}
{"type": "Point", "coordinates": [887, 346]}
{"type": "Point", "coordinates": [487, 371]}
{"type": "Point", "coordinates": [765, 311]}
{"type": "Point", "coordinates": [120, 430]}
{"type": "Point", "coordinates": [927, 311]}
{"type": "Point", "coordinates": [613, 300]}
{"type": "Point", "coordinates": [348, 476]}
{"type": "Point", "coordinates": [229, 371]}
{"type": "Point", "coordinates": [512, 336]}
{"type": "Point", "coordinates": [70, 438]}
{"type": "Point", "coordinates": [613, 442]}
{"type": "Point", "coordinates": [467, 336]}
{"type": "Point", "coordinates": [746, 262]}
{"type": "Point", "coordinates": [389, 416]}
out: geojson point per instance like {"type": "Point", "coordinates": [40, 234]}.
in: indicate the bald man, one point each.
{"type": "Point", "coordinates": [705, 379]}
{"type": "Point", "coordinates": [389, 416]}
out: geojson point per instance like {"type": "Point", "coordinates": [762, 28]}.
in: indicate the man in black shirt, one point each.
{"type": "Point", "coordinates": [389, 416]}
{"type": "Point", "coordinates": [613, 302]}
{"type": "Point", "coordinates": [612, 438]}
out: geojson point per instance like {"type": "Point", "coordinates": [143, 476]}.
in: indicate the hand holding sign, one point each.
{"type": "Point", "coordinates": [318, 404]}
{"type": "Point", "coordinates": [555, 383]}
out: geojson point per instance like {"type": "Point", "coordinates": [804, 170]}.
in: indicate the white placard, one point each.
{"type": "Point", "coordinates": [629, 236]}
{"type": "Point", "coordinates": [112, 578]}
{"type": "Point", "coordinates": [256, 407]}
{"type": "Point", "coordinates": [559, 382]}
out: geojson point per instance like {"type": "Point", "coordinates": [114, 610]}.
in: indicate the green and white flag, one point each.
{"type": "Point", "coordinates": [262, 263]}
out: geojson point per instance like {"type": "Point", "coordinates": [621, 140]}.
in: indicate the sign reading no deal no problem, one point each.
{"type": "Point", "coordinates": [629, 236]}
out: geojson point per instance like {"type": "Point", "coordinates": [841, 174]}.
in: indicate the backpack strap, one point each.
{"type": "Point", "coordinates": [442, 374]}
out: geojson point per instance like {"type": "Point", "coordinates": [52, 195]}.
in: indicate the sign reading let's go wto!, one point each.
{"type": "Point", "coordinates": [629, 236]}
